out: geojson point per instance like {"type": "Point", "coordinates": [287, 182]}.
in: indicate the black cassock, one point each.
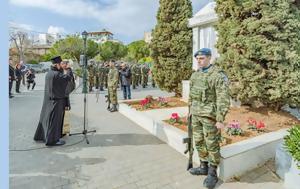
{"type": "Point", "coordinates": [51, 118]}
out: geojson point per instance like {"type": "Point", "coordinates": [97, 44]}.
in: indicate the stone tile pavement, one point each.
{"type": "Point", "coordinates": [120, 155]}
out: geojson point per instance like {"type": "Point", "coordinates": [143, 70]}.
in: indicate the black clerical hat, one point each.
{"type": "Point", "coordinates": [56, 60]}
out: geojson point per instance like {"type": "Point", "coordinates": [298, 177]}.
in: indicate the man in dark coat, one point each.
{"type": "Point", "coordinates": [125, 77]}
{"type": "Point", "coordinates": [51, 118]}
{"type": "Point", "coordinates": [11, 77]}
{"type": "Point", "coordinates": [18, 75]}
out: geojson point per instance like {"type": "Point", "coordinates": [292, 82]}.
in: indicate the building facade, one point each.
{"type": "Point", "coordinates": [101, 36]}
{"type": "Point", "coordinates": [204, 34]}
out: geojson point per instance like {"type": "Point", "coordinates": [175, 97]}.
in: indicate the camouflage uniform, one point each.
{"type": "Point", "coordinates": [106, 71]}
{"type": "Point", "coordinates": [134, 76]}
{"type": "Point", "coordinates": [97, 76]}
{"type": "Point", "coordinates": [91, 70]}
{"type": "Point", "coordinates": [113, 78]}
{"type": "Point", "coordinates": [144, 71]}
{"type": "Point", "coordinates": [209, 100]}
{"type": "Point", "coordinates": [138, 74]}
{"type": "Point", "coordinates": [102, 76]}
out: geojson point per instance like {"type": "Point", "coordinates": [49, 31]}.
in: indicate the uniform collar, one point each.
{"type": "Point", "coordinates": [205, 70]}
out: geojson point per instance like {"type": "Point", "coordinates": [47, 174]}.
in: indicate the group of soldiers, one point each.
{"type": "Point", "coordinates": [98, 75]}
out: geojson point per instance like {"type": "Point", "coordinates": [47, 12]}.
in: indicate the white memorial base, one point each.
{"type": "Point", "coordinates": [236, 158]}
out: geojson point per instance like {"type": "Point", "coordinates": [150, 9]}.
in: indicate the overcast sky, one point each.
{"type": "Point", "coordinates": [127, 19]}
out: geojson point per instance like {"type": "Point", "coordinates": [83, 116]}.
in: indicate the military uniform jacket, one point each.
{"type": "Point", "coordinates": [113, 77]}
{"type": "Point", "coordinates": [209, 94]}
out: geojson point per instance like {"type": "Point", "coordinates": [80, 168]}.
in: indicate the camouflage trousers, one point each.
{"type": "Point", "coordinates": [207, 137]}
{"type": "Point", "coordinates": [112, 92]}
{"type": "Point", "coordinates": [144, 80]}
{"type": "Point", "coordinates": [134, 80]}
{"type": "Point", "coordinates": [91, 82]}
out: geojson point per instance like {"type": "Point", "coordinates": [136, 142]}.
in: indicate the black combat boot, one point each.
{"type": "Point", "coordinates": [212, 177]}
{"type": "Point", "coordinates": [201, 170]}
{"type": "Point", "coordinates": [114, 108]}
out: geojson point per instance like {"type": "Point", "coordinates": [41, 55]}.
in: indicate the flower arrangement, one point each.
{"type": "Point", "coordinates": [145, 103]}
{"type": "Point", "coordinates": [234, 128]}
{"type": "Point", "coordinates": [162, 102]}
{"type": "Point", "coordinates": [174, 118]}
{"type": "Point", "coordinates": [254, 125]}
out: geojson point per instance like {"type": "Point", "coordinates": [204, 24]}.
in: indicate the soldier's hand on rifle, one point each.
{"type": "Point", "coordinates": [220, 125]}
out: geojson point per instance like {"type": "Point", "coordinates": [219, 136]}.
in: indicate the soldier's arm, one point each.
{"type": "Point", "coordinates": [222, 96]}
{"type": "Point", "coordinates": [116, 78]}
{"type": "Point", "coordinates": [191, 85]}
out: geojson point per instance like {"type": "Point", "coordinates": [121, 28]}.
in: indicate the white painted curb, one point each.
{"type": "Point", "coordinates": [236, 158]}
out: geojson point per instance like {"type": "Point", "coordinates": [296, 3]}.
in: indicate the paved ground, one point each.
{"type": "Point", "coordinates": [120, 154]}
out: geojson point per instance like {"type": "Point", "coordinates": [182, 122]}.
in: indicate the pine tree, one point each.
{"type": "Point", "coordinates": [171, 46]}
{"type": "Point", "coordinates": [259, 46]}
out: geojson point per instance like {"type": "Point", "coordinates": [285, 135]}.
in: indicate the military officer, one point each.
{"type": "Point", "coordinates": [209, 102]}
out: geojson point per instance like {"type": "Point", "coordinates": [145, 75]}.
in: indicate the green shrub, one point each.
{"type": "Point", "coordinates": [292, 143]}
{"type": "Point", "coordinates": [78, 72]}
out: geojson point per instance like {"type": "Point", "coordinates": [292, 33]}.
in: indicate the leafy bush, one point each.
{"type": "Point", "coordinates": [292, 143]}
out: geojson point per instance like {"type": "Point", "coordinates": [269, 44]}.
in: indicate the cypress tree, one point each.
{"type": "Point", "coordinates": [259, 46]}
{"type": "Point", "coordinates": [171, 45]}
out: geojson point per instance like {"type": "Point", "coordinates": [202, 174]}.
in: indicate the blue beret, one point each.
{"type": "Point", "coordinates": [203, 51]}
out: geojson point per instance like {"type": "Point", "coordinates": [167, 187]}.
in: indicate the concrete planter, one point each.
{"type": "Point", "coordinates": [292, 178]}
{"type": "Point", "coordinates": [236, 158]}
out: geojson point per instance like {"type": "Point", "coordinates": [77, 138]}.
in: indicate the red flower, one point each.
{"type": "Point", "coordinates": [175, 116]}
{"type": "Point", "coordinates": [260, 125]}
{"type": "Point", "coordinates": [144, 102]}
{"type": "Point", "coordinates": [251, 121]}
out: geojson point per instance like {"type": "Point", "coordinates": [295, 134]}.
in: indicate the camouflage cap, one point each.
{"type": "Point", "coordinates": [203, 51]}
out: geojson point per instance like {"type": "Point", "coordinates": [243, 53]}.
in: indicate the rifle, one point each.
{"type": "Point", "coordinates": [189, 142]}
{"type": "Point", "coordinates": [107, 99]}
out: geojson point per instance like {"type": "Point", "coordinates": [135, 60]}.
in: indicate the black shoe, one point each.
{"type": "Point", "coordinates": [18, 92]}
{"type": "Point", "coordinates": [212, 179]}
{"type": "Point", "coordinates": [114, 108]}
{"type": "Point", "coordinates": [11, 96]}
{"type": "Point", "coordinates": [201, 170]}
{"type": "Point", "coordinates": [58, 143]}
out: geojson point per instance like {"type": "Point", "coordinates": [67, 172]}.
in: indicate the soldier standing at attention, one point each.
{"type": "Point", "coordinates": [112, 82]}
{"type": "Point", "coordinates": [91, 71]}
{"type": "Point", "coordinates": [102, 76]}
{"type": "Point", "coordinates": [209, 102]}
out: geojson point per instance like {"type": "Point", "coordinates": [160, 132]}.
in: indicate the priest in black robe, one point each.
{"type": "Point", "coordinates": [51, 117]}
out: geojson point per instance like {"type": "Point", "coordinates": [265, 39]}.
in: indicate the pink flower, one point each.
{"type": "Point", "coordinates": [234, 124]}
{"type": "Point", "coordinates": [260, 125]}
{"type": "Point", "coordinates": [175, 116]}
{"type": "Point", "coordinates": [251, 121]}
